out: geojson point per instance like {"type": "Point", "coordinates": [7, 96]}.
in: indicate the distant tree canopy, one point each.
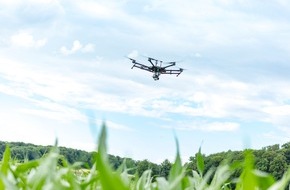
{"type": "Point", "coordinates": [271, 159]}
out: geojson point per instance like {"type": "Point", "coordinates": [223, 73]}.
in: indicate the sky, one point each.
{"type": "Point", "coordinates": [64, 72]}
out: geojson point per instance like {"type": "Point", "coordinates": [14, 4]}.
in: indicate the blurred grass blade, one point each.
{"type": "Point", "coordinates": [200, 162]}
{"type": "Point", "coordinates": [247, 180]}
{"type": "Point", "coordinates": [5, 166]}
{"type": "Point", "coordinates": [282, 183]}
{"type": "Point", "coordinates": [5, 160]}
{"type": "Point", "coordinates": [109, 179]}
{"type": "Point", "coordinates": [24, 167]}
{"type": "Point", "coordinates": [264, 180]}
{"type": "Point", "coordinates": [144, 181]}
{"type": "Point", "coordinates": [176, 169]}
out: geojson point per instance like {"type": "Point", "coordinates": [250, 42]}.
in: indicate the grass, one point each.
{"type": "Point", "coordinates": [48, 173]}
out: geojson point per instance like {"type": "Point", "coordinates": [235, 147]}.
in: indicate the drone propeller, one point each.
{"type": "Point", "coordinates": [182, 69]}
{"type": "Point", "coordinates": [150, 58]}
{"type": "Point", "coordinates": [133, 60]}
{"type": "Point", "coordinates": [169, 63]}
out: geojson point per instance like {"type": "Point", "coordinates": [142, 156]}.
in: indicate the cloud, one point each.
{"type": "Point", "coordinates": [77, 46]}
{"type": "Point", "coordinates": [31, 11]}
{"type": "Point", "coordinates": [88, 48]}
{"type": "Point", "coordinates": [134, 54]}
{"type": "Point", "coordinates": [202, 94]}
{"type": "Point", "coordinates": [25, 80]}
{"type": "Point", "coordinates": [206, 126]}
{"type": "Point", "coordinates": [206, 96]}
{"type": "Point", "coordinates": [114, 125]}
{"type": "Point", "coordinates": [95, 9]}
{"type": "Point", "coordinates": [280, 138]}
{"type": "Point", "coordinates": [221, 126]}
{"type": "Point", "coordinates": [24, 39]}
{"type": "Point", "coordinates": [282, 110]}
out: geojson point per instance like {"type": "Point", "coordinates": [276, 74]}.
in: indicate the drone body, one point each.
{"type": "Point", "coordinates": [156, 68]}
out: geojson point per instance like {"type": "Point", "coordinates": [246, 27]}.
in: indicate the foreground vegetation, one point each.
{"type": "Point", "coordinates": [54, 171]}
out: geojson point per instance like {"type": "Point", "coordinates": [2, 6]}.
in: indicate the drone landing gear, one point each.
{"type": "Point", "coordinates": [156, 76]}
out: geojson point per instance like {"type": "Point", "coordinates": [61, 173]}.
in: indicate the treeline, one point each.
{"type": "Point", "coordinates": [25, 151]}
{"type": "Point", "coordinates": [274, 160]}
{"type": "Point", "coordinates": [271, 159]}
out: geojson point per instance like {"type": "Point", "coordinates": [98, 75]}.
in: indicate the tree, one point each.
{"type": "Point", "coordinates": [165, 168]}
{"type": "Point", "coordinates": [274, 147]}
{"type": "Point", "coordinates": [115, 161]}
{"type": "Point", "coordinates": [131, 165]}
{"type": "Point", "coordinates": [286, 151]}
{"type": "Point", "coordinates": [278, 166]}
{"type": "Point", "coordinates": [142, 166]}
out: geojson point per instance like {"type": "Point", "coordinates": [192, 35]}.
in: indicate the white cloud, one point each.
{"type": "Point", "coordinates": [282, 110]}
{"type": "Point", "coordinates": [280, 138]}
{"type": "Point", "coordinates": [26, 80]}
{"type": "Point", "coordinates": [88, 48]}
{"type": "Point", "coordinates": [206, 126]}
{"type": "Point", "coordinates": [134, 54]}
{"type": "Point", "coordinates": [77, 46]}
{"type": "Point", "coordinates": [203, 96]}
{"type": "Point", "coordinates": [55, 111]}
{"type": "Point", "coordinates": [105, 10]}
{"type": "Point", "coordinates": [24, 39]}
{"type": "Point", "coordinates": [221, 126]}
{"type": "Point", "coordinates": [113, 125]}
{"type": "Point", "coordinates": [95, 9]}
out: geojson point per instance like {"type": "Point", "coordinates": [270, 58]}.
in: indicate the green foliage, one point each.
{"type": "Point", "coordinates": [165, 168]}
{"type": "Point", "coordinates": [109, 180]}
{"type": "Point", "coordinates": [200, 162]}
{"type": "Point", "coordinates": [54, 171]}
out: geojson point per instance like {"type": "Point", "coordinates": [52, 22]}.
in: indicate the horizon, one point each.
{"type": "Point", "coordinates": [183, 161]}
{"type": "Point", "coordinates": [63, 72]}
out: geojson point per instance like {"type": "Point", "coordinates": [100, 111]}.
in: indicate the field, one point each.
{"type": "Point", "coordinates": [52, 171]}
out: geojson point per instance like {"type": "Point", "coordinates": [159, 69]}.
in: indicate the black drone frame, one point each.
{"type": "Point", "coordinates": [156, 68]}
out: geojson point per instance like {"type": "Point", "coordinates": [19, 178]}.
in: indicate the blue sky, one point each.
{"type": "Point", "coordinates": [63, 72]}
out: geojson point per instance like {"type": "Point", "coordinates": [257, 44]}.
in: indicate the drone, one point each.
{"type": "Point", "coordinates": [156, 67]}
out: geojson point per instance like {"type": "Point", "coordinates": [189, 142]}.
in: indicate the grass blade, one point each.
{"type": "Point", "coordinates": [200, 162]}
{"type": "Point", "coordinates": [109, 179]}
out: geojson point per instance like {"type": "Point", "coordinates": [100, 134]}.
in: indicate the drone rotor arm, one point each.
{"type": "Point", "coordinates": [143, 67]}
{"type": "Point", "coordinates": [170, 65]}
{"type": "Point", "coordinates": [172, 71]}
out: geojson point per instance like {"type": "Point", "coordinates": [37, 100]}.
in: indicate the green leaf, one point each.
{"type": "Point", "coordinates": [177, 166]}
{"type": "Point", "coordinates": [264, 180]}
{"type": "Point", "coordinates": [5, 166]}
{"type": "Point", "coordinates": [200, 162]}
{"type": "Point", "coordinates": [144, 181]}
{"type": "Point", "coordinates": [109, 179]}
{"type": "Point", "coordinates": [5, 160]}
{"type": "Point", "coordinates": [27, 166]}
{"type": "Point", "coordinates": [282, 183]}
{"type": "Point", "coordinates": [247, 180]}
{"type": "Point", "coordinates": [177, 172]}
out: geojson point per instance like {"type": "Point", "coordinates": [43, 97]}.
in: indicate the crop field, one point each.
{"type": "Point", "coordinates": [52, 171]}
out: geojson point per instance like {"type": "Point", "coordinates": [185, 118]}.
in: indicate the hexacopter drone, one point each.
{"type": "Point", "coordinates": [157, 69]}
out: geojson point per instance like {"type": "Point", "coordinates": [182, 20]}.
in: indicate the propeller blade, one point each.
{"type": "Point", "coordinates": [133, 60]}
{"type": "Point", "coordinates": [129, 58]}
{"type": "Point", "coordinates": [150, 58]}
{"type": "Point", "coordinates": [168, 63]}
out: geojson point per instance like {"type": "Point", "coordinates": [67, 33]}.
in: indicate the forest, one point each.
{"type": "Point", "coordinates": [274, 159]}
